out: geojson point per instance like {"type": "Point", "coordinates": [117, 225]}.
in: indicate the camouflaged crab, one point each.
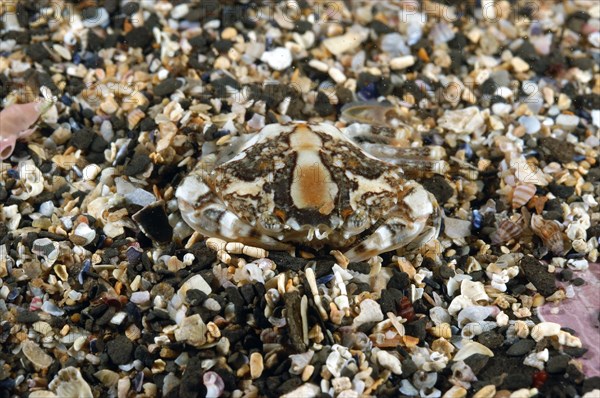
{"type": "Point", "coordinates": [311, 184]}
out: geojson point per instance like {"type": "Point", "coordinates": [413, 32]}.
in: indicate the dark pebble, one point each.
{"type": "Point", "coordinates": [191, 382]}
{"type": "Point", "coordinates": [590, 384]}
{"type": "Point", "coordinates": [538, 275]}
{"type": "Point", "coordinates": [322, 105]}
{"type": "Point", "coordinates": [490, 339]}
{"type": "Point", "coordinates": [37, 52]}
{"type": "Point", "coordinates": [409, 367]}
{"type": "Point", "coordinates": [83, 138]}
{"type": "Point", "coordinates": [285, 262]}
{"type": "Point", "coordinates": [439, 187]}
{"type": "Point", "coordinates": [195, 297]}
{"type": "Point", "coordinates": [248, 293]}
{"type": "Point", "coordinates": [119, 350]}
{"type": "Point", "coordinates": [154, 223]}
{"type": "Point", "coordinates": [557, 364]}
{"type": "Point", "coordinates": [578, 282]}
{"type": "Point", "coordinates": [575, 352]}
{"type": "Point", "coordinates": [566, 274]}
{"type": "Point", "coordinates": [380, 28]}
{"type": "Point", "coordinates": [139, 37]}
{"type": "Point", "coordinates": [138, 163]}
{"type": "Point", "coordinates": [516, 381]}
{"type": "Point", "coordinates": [27, 317]}
{"type": "Point", "coordinates": [521, 347]}
{"type": "Point", "coordinates": [477, 362]}
{"type": "Point", "coordinates": [561, 191]}
{"type": "Point", "coordinates": [390, 300]}
{"type": "Point", "coordinates": [166, 87]}
{"type": "Point", "coordinates": [399, 280]}
{"type": "Point", "coordinates": [294, 321]}
{"type": "Point", "coordinates": [556, 150]}
{"type": "Point", "coordinates": [302, 26]}
{"type": "Point", "coordinates": [361, 267]}
{"type": "Point", "coordinates": [417, 328]}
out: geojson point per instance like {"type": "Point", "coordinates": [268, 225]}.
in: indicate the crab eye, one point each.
{"type": "Point", "coordinates": [357, 222]}
{"type": "Point", "coordinates": [270, 222]}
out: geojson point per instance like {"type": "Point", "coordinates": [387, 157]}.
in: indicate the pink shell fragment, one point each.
{"type": "Point", "coordinates": [16, 122]}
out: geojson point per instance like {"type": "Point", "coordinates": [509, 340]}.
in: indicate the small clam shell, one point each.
{"type": "Point", "coordinates": [472, 348]}
{"type": "Point", "coordinates": [522, 194]}
{"type": "Point", "coordinates": [36, 355]}
{"type": "Point", "coordinates": [544, 329]}
{"type": "Point", "coordinates": [107, 377]}
{"type": "Point", "coordinates": [42, 327]}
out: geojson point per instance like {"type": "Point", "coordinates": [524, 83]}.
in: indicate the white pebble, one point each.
{"type": "Point", "coordinates": [118, 318]}
{"type": "Point", "coordinates": [180, 11]}
{"type": "Point", "coordinates": [47, 208]}
{"type": "Point", "coordinates": [402, 62]}
{"type": "Point", "coordinates": [318, 65]}
{"type": "Point", "coordinates": [337, 75]}
{"type": "Point", "coordinates": [279, 58]}
{"type": "Point", "coordinates": [531, 123]}
{"type": "Point", "coordinates": [568, 122]}
{"type": "Point", "coordinates": [140, 297]}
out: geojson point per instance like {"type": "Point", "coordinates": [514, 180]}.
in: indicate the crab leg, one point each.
{"type": "Point", "coordinates": [413, 161]}
{"type": "Point", "coordinates": [204, 212]}
{"type": "Point", "coordinates": [407, 225]}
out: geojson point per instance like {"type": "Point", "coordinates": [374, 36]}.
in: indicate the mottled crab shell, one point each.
{"type": "Point", "coordinates": [309, 183]}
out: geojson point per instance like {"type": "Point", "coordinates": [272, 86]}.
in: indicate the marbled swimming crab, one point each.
{"type": "Point", "coordinates": [312, 184]}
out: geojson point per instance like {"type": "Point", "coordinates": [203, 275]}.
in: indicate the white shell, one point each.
{"type": "Point", "coordinates": [471, 348]}
{"type": "Point", "coordinates": [544, 329]}
{"type": "Point", "coordinates": [68, 383]}
{"type": "Point", "coordinates": [475, 291]}
{"type": "Point", "coordinates": [389, 361]}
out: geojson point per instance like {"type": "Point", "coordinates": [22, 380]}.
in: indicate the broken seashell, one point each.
{"type": "Point", "coordinates": [475, 291]}
{"type": "Point", "coordinates": [566, 338]}
{"type": "Point", "coordinates": [68, 383]}
{"type": "Point", "coordinates": [476, 313]}
{"type": "Point", "coordinates": [36, 355]}
{"type": "Point", "coordinates": [471, 348]}
{"type": "Point", "coordinates": [522, 194]}
{"type": "Point", "coordinates": [507, 230]}
{"type": "Point", "coordinates": [107, 377]}
{"type": "Point", "coordinates": [521, 329]}
{"type": "Point", "coordinates": [550, 233]}
{"type": "Point", "coordinates": [443, 330]}
{"type": "Point", "coordinates": [388, 361]}
{"type": "Point", "coordinates": [544, 329]}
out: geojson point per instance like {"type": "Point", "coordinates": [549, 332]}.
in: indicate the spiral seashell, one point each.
{"type": "Point", "coordinates": [506, 231]}
{"type": "Point", "coordinates": [442, 330]}
{"type": "Point", "coordinates": [522, 194]}
{"type": "Point", "coordinates": [550, 233]}
{"type": "Point", "coordinates": [544, 329]}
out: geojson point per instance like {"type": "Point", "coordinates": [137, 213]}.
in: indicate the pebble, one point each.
{"type": "Point", "coordinates": [167, 87]}
{"type": "Point", "coordinates": [568, 122]}
{"type": "Point", "coordinates": [521, 347]}
{"type": "Point", "coordinates": [519, 65]}
{"type": "Point", "coordinates": [402, 62]}
{"type": "Point", "coordinates": [346, 43]}
{"type": "Point", "coordinates": [557, 364]}
{"type": "Point", "coordinates": [370, 311]}
{"type": "Point", "coordinates": [531, 123]}
{"type": "Point", "coordinates": [119, 350]}
{"type": "Point", "coordinates": [279, 58]}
